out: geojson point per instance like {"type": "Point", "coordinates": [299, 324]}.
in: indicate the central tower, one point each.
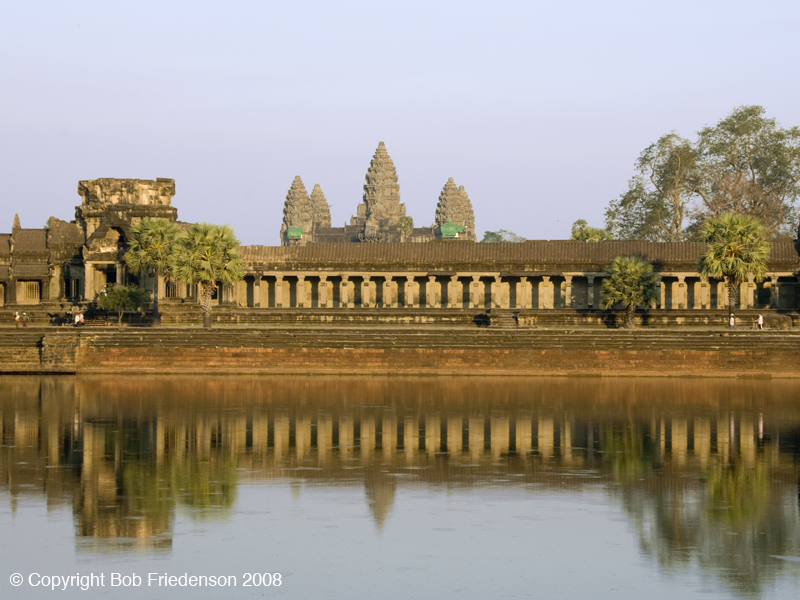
{"type": "Point", "coordinates": [378, 214]}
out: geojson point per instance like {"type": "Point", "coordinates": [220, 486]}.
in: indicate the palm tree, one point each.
{"type": "Point", "coordinates": [630, 281]}
{"type": "Point", "coordinates": [150, 247]}
{"type": "Point", "coordinates": [736, 250]}
{"type": "Point", "coordinates": [204, 254]}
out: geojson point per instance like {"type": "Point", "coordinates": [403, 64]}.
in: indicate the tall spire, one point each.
{"type": "Point", "coordinates": [320, 211]}
{"type": "Point", "coordinates": [454, 206]}
{"type": "Point", "coordinates": [16, 226]}
{"type": "Point", "coordinates": [381, 209]}
{"type": "Point", "coordinates": [296, 209]}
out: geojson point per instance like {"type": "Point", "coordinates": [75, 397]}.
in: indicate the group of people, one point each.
{"type": "Point", "coordinates": [759, 322]}
{"type": "Point", "coordinates": [23, 319]}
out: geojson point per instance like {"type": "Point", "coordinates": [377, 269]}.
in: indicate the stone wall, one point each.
{"type": "Point", "coordinates": [413, 351]}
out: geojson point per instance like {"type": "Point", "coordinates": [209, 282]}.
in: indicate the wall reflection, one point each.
{"type": "Point", "coordinates": [706, 470]}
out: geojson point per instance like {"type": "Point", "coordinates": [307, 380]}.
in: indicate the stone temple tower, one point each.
{"type": "Point", "coordinates": [297, 215]}
{"type": "Point", "coordinates": [454, 207]}
{"type": "Point", "coordinates": [320, 211]}
{"type": "Point", "coordinates": [378, 214]}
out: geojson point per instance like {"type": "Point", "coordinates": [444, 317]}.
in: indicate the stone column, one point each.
{"type": "Point", "coordinates": [722, 295]}
{"type": "Point", "coordinates": [430, 292]}
{"type": "Point", "coordinates": [121, 277]}
{"type": "Point", "coordinates": [474, 291]}
{"type": "Point", "coordinates": [88, 282]}
{"type": "Point", "coordinates": [681, 289]}
{"type": "Point", "coordinates": [545, 293]}
{"type": "Point", "coordinates": [344, 293]}
{"type": "Point", "coordinates": [301, 291]}
{"type": "Point", "coordinates": [699, 295]}
{"type": "Point", "coordinates": [279, 291]}
{"type": "Point", "coordinates": [568, 291]}
{"type": "Point", "coordinates": [454, 295]}
{"type": "Point", "coordinates": [524, 293]}
{"type": "Point", "coordinates": [322, 295]}
{"type": "Point", "coordinates": [257, 290]}
{"type": "Point", "coordinates": [408, 291]}
{"type": "Point", "coordinates": [497, 292]}
{"type": "Point", "coordinates": [388, 300]}
{"type": "Point", "coordinates": [659, 302]}
{"type": "Point", "coordinates": [366, 285]}
{"type": "Point", "coordinates": [774, 290]}
{"type": "Point", "coordinates": [590, 291]}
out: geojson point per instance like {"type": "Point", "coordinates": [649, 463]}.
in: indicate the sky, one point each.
{"type": "Point", "coordinates": [539, 109]}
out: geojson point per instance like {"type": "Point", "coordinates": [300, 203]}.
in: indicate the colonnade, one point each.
{"type": "Point", "coordinates": [310, 289]}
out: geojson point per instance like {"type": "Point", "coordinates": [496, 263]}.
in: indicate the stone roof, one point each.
{"type": "Point", "coordinates": [5, 245]}
{"type": "Point", "coordinates": [61, 233]}
{"type": "Point", "coordinates": [30, 240]}
{"type": "Point", "coordinates": [527, 256]}
{"type": "Point", "coordinates": [32, 271]}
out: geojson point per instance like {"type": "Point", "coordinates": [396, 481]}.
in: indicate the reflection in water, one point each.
{"type": "Point", "coordinates": [706, 470]}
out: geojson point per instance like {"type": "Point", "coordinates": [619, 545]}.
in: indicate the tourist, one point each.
{"type": "Point", "coordinates": [78, 319]}
{"type": "Point", "coordinates": [16, 319]}
{"type": "Point", "coordinates": [760, 322]}
{"type": "Point", "coordinates": [732, 323]}
{"type": "Point", "coordinates": [25, 319]}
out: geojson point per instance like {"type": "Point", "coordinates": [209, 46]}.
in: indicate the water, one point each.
{"type": "Point", "coordinates": [400, 487]}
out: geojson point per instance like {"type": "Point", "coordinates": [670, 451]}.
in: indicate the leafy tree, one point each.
{"type": "Point", "coordinates": [405, 225]}
{"type": "Point", "coordinates": [752, 167]}
{"type": "Point", "coordinates": [501, 235]}
{"type": "Point", "coordinates": [736, 249]}
{"type": "Point", "coordinates": [669, 175]}
{"type": "Point", "coordinates": [121, 298]}
{"type": "Point", "coordinates": [630, 281]}
{"type": "Point", "coordinates": [582, 232]}
{"type": "Point", "coordinates": [204, 254]}
{"type": "Point", "coordinates": [150, 247]}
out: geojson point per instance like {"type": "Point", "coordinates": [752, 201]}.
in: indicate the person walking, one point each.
{"type": "Point", "coordinates": [25, 319]}
{"type": "Point", "coordinates": [760, 322]}
{"type": "Point", "coordinates": [732, 322]}
{"type": "Point", "coordinates": [16, 319]}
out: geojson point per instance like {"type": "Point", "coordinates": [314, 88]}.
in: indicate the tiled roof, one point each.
{"type": "Point", "coordinates": [531, 255]}
{"type": "Point", "coordinates": [5, 244]}
{"type": "Point", "coordinates": [31, 270]}
{"type": "Point", "coordinates": [30, 240]}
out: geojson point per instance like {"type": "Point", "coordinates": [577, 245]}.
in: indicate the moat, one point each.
{"type": "Point", "coordinates": [404, 487]}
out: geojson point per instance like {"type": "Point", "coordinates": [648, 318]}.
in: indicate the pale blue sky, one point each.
{"type": "Point", "coordinates": [538, 109]}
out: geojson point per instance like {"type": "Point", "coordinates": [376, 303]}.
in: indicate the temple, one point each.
{"type": "Point", "coordinates": [378, 260]}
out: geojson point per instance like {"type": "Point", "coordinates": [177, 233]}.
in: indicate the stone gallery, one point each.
{"type": "Point", "coordinates": [378, 260]}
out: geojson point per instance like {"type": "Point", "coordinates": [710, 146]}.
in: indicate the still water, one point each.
{"type": "Point", "coordinates": [355, 488]}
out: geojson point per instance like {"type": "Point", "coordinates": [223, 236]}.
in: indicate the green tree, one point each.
{"type": "Point", "coordinates": [736, 250]}
{"type": "Point", "coordinates": [405, 225]}
{"type": "Point", "coordinates": [582, 232]}
{"type": "Point", "coordinates": [150, 247]}
{"type": "Point", "coordinates": [669, 176]}
{"type": "Point", "coordinates": [629, 281]}
{"type": "Point", "coordinates": [501, 235]}
{"type": "Point", "coordinates": [121, 298]}
{"type": "Point", "coordinates": [205, 254]}
{"type": "Point", "coordinates": [751, 167]}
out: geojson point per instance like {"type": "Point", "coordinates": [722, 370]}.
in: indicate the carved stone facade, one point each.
{"type": "Point", "coordinates": [72, 261]}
